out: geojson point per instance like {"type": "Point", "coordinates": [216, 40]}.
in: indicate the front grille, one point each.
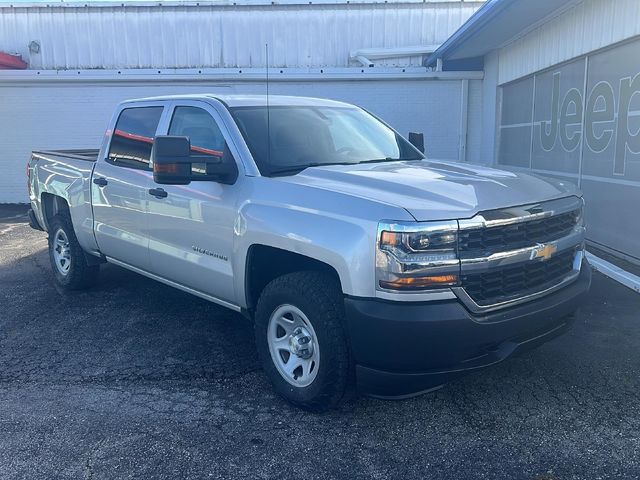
{"type": "Point", "coordinates": [507, 283]}
{"type": "Point", "coordinates": [482, 242]}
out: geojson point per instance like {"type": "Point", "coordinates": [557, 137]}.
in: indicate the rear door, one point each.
{"type": "Point", "coordinates": [121, 181]}
{"type": "Point", "coordinates": [191, 229]}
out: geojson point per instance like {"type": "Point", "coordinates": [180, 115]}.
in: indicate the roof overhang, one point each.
{"type": "Point", "coordinates": [496, 23]}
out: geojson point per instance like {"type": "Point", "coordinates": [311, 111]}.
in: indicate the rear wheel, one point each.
{"type": "Point", "coordinates": [301, 341]}
{"type": "Point", "coordinates": [70, 267]}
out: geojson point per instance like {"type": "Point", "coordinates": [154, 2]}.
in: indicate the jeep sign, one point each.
{"type": "Point", "coordinates": [602, 108]}
{"type": "Point", "coordinates": [580, 122]}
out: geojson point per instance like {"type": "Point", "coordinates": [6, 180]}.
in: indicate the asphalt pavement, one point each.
{"type": "Point", "coordinates": [133, 379]}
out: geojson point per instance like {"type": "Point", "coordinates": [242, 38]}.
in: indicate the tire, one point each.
{"type": "Point", "coordinates": [72, 272]}
{"type": "Point", "coordinates": [317, 296]}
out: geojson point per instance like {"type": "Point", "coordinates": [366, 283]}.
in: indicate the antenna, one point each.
{"type": "Point", "coordinates": [266, 48]}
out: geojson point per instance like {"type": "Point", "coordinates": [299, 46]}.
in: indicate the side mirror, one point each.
{"type": "Point", "coordinates": [175, 162]}
{"type": "Point", "coordinates": [171, 159]}
{"type": "Point", "coordinates": [417, 140]}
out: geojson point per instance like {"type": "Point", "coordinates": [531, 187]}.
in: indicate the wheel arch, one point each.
{"type": "Point", "coordinates": [53, 205]}
{"type": "Point", "coordinates": [265, 263]}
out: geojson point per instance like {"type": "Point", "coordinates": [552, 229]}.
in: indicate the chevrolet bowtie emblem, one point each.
{"type": "Point", "coordinates": [544, 251]}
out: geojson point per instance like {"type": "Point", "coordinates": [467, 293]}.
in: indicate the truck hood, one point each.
{"type": "Point", "coordinates": [434, 190]}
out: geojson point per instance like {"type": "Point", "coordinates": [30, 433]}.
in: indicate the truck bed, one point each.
{"type": "Point", "coordinates": [84, 154]}
{"type": "Point", "coordinates": [64, 175]}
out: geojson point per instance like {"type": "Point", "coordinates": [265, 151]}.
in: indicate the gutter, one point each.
{"type": "Point", "coordinates": [366, 55]}
{"type": "Point", "coordinates": [486, 13]}
{"type": "Point", "coordinates": [209, 75]}
{"type": "Point", "coordinates": [159, 4]}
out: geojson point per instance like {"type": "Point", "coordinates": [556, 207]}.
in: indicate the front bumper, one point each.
{"type": "Point", "coordinates": [402, 349]}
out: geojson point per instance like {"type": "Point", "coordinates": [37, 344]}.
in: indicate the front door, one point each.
{"type": "Point", "coordinates": [120, 186]}
{"type": "Point", "coordinates": [191, 228]}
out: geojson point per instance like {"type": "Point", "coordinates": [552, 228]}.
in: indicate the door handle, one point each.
{"type": "Point", "coordinates": [158, 192]}
{"type": "Point", "coordinates": [101, 182]}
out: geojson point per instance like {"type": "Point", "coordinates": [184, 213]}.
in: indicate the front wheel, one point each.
{"type": "Point", "coordinates": [300, 338]}
{"type": "Point", "coordinates": [70, 267]}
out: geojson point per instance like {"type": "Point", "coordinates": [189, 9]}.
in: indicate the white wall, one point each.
{"type": "Point", "coordinates": [581, 29]}
{"type": "Point", "coordinates": [74, 115]}
{"type": "Point", "coordinates": [210, 35]}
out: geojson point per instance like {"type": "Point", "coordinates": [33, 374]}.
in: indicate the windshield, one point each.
{"type": "Point", "coordinates": [301, 137]}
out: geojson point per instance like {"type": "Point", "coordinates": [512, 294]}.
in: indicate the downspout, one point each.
{"type": "Point", "coordinates": [464, 120]}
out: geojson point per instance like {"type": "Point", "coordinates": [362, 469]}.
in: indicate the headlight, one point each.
{"type": "Point", "coordinates": [417, 256]}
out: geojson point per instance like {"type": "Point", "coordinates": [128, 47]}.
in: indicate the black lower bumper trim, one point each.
{"type": "Point", "coordinates": [402, 349]}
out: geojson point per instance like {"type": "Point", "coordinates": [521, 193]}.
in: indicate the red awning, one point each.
{"type": "Point", "coordinates": [11, 62]}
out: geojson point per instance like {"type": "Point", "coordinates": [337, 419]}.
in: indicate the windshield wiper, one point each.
{"type": "Point", "coordinates": [299, 168]}
{"type": "Point", "coordinates": [389, 159]}
{"type": "Point", "coordinates": [295, 169]}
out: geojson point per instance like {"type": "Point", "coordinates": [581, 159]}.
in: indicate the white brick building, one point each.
{"type": "Point", "coordinates": [83, 60]}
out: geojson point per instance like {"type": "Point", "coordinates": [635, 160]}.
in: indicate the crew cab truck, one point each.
{"type": "Point", "coordinates": [354, 255]}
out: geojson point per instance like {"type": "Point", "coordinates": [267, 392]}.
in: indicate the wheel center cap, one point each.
{"type": "Point", "coordinates": [301, 343]}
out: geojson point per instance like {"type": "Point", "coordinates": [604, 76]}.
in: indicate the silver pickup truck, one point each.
{"type": "Point", "coordinates": [354, 256]}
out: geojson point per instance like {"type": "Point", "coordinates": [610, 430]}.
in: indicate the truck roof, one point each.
{"type": "Point", "coordinates": [249, 100]}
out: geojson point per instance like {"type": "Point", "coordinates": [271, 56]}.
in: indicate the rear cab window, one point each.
{"type": "Point", "coordinates": [133, 136]}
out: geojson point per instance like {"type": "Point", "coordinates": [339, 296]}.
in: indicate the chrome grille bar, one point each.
{"type": "Point", "coordinates": [491, 262]}
{"type": "Point", "coordinates": [524, 213]}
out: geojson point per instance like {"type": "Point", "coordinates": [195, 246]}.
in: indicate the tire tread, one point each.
{"type": "Point", "coordinates": [321, 290]}
{"type": "Point", "coordinates": [81, 275]}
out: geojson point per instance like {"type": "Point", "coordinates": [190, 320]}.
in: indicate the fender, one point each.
{"type": "Point", "coordinates": [331, 236]}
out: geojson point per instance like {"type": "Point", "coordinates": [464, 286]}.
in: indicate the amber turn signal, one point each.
{"type": "Point", "coordinates": [413, 283]}
{"type": "Point", "coordinates": [166, 167]}
{"type": "Point", "coordinates": [390, 238]}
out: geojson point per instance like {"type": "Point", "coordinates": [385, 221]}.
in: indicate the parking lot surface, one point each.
{"type": "Point", "coordinates": [133, 379]}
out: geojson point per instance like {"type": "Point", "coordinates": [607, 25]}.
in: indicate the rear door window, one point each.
{"type": "Point", "coordinates": [133, 136]}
